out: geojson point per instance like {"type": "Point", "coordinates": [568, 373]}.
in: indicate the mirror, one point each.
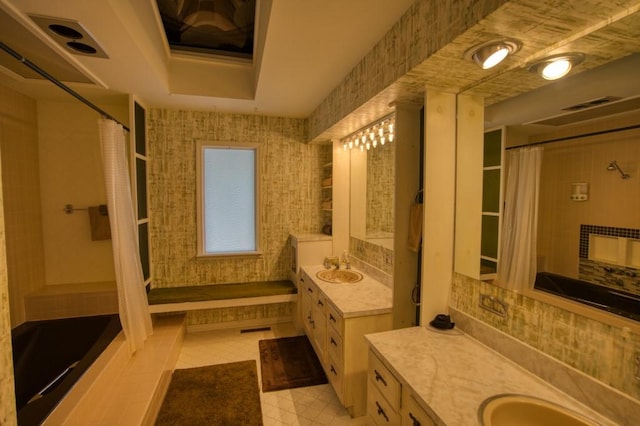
{"type": "Point", "coordinates": [588, 239]}
{"type": "Point", "coordinates": [372, 194]}
{"type": "Point", "coordinates": [588, 224]}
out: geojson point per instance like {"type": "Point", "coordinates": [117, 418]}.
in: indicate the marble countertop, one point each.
{"type": "Point", "coordinates": [451, 374]}
{"type": "Point", "coordinates": [311, 237]}
{"type": "Point", "coordinates": [366, 297]}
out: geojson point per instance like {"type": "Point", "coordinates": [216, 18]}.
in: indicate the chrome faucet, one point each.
{"type": "Point", "coordinates": [345, 260]}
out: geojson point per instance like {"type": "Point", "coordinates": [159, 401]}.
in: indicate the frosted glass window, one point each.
{"type": "Point", "coordinates": [228, 200]}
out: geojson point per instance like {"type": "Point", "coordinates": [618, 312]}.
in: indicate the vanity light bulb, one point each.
{"type": "Point", "coordinates": [368, 145]}
{"type": "Point", "coordinates": [344, 145]}
{"type": "Point", "coordinates": [375, 143]}
{"type": "Point", "coordinates": [380, 131]}
{"type": "Point", "coordinates": [351, 144]}
{"type": "Point", "coordinates": [382, 140]}
{"type": "Point", "coordinates": [390, 127]}
{"type": "Point", "coordinates": [372, 135]}
{"type": "Point", "coordinates": [390, 137]}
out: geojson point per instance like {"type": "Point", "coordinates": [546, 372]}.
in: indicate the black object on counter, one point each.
{"type": "Point", "coordinates": [442, 322]}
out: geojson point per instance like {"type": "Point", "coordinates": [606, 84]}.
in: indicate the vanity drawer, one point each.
{"type": "Point", "coordinates": [413, 414]}
{"type": "Point", "coordinates": [320, 301]}
{"type": "Point", "coordinates": [335, 375]}
{"type": "Point", "coordinates": [306, 285]}
{"type": "Point", "coordinates": [334, 345]}
{"type": "Point", "coordinates": [334, 318]}
{"type": "Point", "coordinates": [378, 408]}
{"type": "Point", "coordinates": [384, 381]}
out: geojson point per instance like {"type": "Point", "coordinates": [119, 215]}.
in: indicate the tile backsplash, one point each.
{"type": "Point", "coordinates": [604, 352]}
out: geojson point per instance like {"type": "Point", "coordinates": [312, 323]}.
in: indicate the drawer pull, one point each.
{"type": "Point", "coordinates": [379, 378]}
{"type": "Point", "coordinates": [415, 421]}
{"type": "Point", "coordinates": [381, 412]}
{"type": "Point", "coordinates": [333, 342]}
{"type": "Point", "coordinates": [331, 318]}
{"type": "Point", "coordinates": [320, 303]}
{"type": "Point", "coordinates": [309, 289]}
{"type": "Point", "coordinates": [333, 370]}
{"type": "Point", "coordinates": [301, 279]}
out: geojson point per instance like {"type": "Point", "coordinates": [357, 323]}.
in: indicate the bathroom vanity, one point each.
{"type": "Point", "coordinates": [335, 317]}
{"type": "Point", "coordinates": [421, 375]}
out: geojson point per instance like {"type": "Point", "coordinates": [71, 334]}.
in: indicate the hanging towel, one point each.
{"type": "Point", "coordinates": [415, 227]}
{"type": "Point", "coordinates": [99, 221]}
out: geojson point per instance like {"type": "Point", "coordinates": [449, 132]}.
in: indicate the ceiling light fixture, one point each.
{"type": "Point", "coordinates": [488, 55]}
{"type": "Point", "coordinates": [557, 66]}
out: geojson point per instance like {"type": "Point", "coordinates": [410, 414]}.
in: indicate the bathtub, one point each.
{"type": "Point", "coordinates": [608, 299]}
{"type": "Point", "coordinates": [50, 356]}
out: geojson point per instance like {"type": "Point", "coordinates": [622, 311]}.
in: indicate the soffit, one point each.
{"type": "Point", "coordinates": [603, 30]}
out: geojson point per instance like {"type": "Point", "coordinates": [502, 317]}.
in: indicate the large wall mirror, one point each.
{"type": "Point", "coordinates": [588, 229]}
{"type": "Point", "coordinates": [588, 245]}
{"type": "Point", "coordinates": [372, 184]}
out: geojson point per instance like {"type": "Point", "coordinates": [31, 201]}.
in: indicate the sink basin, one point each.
{"type": "Point", "coordinates": [523, 410]}
{"type": "Point", "coordinates": [339, 276]}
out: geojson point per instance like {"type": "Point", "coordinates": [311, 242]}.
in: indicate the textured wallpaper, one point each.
{"type": "Point", "coordinates": [602, 351]}
{"type": "Point", "coordinates": [290, 176]}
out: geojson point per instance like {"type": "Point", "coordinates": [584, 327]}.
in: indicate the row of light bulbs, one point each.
{"type": "Point", "coordinates": [375, 134]}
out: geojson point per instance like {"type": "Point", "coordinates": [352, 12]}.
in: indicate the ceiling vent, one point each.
{"type": "Point", "coordinates": [71, 35]}
{"type": "Point", "coordinates": [592, 103]}
{"type": "Point", "coordinates": [590, 110]}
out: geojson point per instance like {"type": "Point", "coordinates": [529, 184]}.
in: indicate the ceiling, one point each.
{"type": "Point", "coordinates": [304, 49]}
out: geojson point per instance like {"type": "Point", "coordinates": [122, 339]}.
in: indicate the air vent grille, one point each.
{"type": "Point", "coordinates": [592, 103]}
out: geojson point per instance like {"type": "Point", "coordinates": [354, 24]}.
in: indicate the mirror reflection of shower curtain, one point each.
{"type": "Point", "coordinates": [132, 299]}
{"type": "Point", "coordinates": [517, 266]}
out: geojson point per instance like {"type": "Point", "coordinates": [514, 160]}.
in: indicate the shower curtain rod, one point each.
{"type": "Point", "coordinates": [583, 135]}
{"type": "Point", "coordinates": [58, 83]}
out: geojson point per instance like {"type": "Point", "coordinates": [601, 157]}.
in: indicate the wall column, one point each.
{"type": "Point", "coordinates": [439, 203]}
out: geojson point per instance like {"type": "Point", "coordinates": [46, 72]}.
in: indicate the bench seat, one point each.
{"type": "Point", "coordinates": [176, 299]}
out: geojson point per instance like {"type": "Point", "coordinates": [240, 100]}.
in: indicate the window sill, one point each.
{"type": "Point", "coordinates": [231, 255]}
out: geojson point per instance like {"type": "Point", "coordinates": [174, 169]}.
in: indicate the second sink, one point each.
{"type": "Point", "coordinates": [512, 409]}
{"type": "Point", "coordinates": [339, 276]}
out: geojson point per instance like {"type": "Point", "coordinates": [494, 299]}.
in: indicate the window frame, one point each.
{"type": "Point", "coordinates": [200, 149]}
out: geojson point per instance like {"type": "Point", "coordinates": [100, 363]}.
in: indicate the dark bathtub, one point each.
{"type": "Point", "coordinates": [608, 299]}
{"type": "Point", "coordinates": [50, 356]}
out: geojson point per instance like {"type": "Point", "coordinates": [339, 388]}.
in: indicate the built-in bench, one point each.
{"type": "Point", "coordinates": [177, 299]}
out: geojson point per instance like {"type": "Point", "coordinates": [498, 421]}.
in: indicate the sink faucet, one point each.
{"type": "Point", "coordinates": [331, 261]}
{"type": "Point", "coordinates": [345, 260]}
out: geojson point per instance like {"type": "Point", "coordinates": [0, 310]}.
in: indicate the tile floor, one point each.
{"type": "Point", "coordinates": [313, 405]}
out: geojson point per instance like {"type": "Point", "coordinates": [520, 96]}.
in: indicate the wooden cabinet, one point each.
{"type": "Point", "coordinates": [339, 343]}
{"type": "Point", "coordinates": [389, 401]}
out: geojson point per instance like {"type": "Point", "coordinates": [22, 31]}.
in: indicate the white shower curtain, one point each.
{"type": "Point", "coordinates": [517, 266]}
{"type": "Point", "coordinates": [132, 299]}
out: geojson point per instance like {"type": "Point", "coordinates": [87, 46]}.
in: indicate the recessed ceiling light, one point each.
{"type": "Point", "coordinates": [488, 55]}
{"type": "Point", "coordinates": [557, 66]}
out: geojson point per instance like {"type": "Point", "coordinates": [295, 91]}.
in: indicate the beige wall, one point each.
{"type": "Point", "coordinates": [613, 201]}
{"type": "Point", "coordinates": [71, 173]}
{"type": "Point", "coordinates": [290, 177]}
